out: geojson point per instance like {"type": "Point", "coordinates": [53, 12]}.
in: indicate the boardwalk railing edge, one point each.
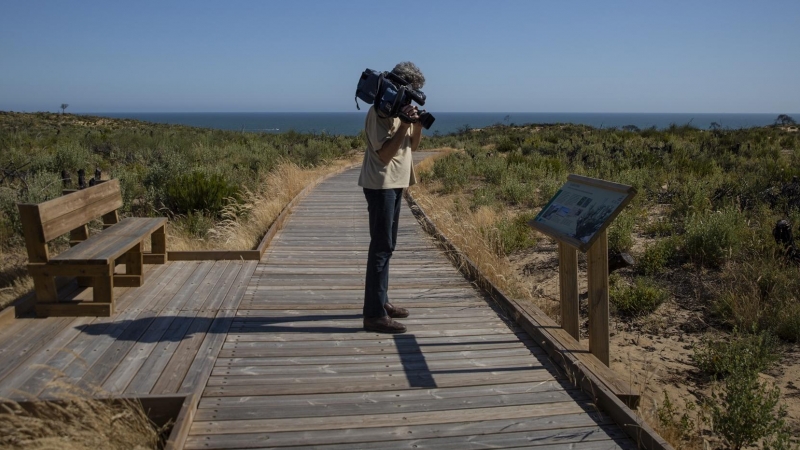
{"type": "Point", "coordinates": [575, 362]}
{"type": "Point", "coordinates": [258, 252]}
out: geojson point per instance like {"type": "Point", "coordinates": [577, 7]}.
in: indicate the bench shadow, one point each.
{"type": "Point", "coordinates": [177, 328]}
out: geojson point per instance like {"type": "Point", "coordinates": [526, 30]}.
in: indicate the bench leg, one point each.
{"type": "Point", "coordinates": [158, 246]}
{"type": "Point", "coordinates": [103, 290]}
{"type": "Point", "coordinates": [134, 261]}
{"type": "Point", "coordinates": [134, 269]}
{"type": "Point", "coordinates": [45, 288]}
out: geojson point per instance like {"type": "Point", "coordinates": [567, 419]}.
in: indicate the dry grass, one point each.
{"type": "Point", "coordinates": [77, 423]}
{"type": "Point", "coordinates": [470, 231]}
{"type": "Point", "coordinates": [244, 225]}
{"type": "Point", "coordinates": [14, 279]}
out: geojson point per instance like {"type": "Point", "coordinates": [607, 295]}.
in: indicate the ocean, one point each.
{"type": "Point", "coordinates": [351, 123]}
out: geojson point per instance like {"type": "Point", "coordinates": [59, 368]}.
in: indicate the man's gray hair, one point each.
{"type": "Point", "coordinates": [411, 73]}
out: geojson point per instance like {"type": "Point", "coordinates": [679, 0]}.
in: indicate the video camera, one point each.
{"type": "Point", "coordinates": [390, 93]}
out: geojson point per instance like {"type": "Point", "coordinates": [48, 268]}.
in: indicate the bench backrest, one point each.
{"type": "Point", "coordinates": [46, 221]}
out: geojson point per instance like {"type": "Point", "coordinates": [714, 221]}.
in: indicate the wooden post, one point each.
{"type": "Point", "coordinates": [568, 286]}
{"type": "Point", "coordinates": [597, 258]}
{"type": "Point", "coordinates": [158, 243]}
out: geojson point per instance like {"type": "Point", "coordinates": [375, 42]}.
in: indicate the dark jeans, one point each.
{"type": "Point", "coordinates": [384, 214]}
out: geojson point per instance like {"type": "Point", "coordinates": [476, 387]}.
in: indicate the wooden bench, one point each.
{"type": "Point", "coordinates": [92, 259]}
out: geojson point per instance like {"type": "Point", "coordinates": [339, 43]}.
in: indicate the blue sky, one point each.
{"type": "Point", "coordinates": [493, 56]}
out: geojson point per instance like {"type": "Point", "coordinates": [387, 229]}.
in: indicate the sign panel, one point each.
{"type": "Point", "coordinates": [581, 208]}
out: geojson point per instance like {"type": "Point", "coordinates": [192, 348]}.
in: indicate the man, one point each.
{"type": "Point", "coordinates": [387, 169]}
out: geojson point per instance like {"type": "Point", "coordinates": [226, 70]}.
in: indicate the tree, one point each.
{"type": "Point", "coordinates": [784, 119]}
{"type": "Point", "coordinates": [63, 107]}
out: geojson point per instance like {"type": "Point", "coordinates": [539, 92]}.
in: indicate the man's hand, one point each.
{"type": "Point", "coordinates": [411, 111]}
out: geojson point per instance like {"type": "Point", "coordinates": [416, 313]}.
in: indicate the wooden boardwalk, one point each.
{"type": "Point", "coordinates": [277, 351]}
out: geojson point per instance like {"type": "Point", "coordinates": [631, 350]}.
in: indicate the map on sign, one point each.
{"type": "Point", "coordinates": [581, 208]}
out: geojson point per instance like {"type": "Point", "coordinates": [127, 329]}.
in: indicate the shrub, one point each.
{"type": "Point", "coordinates": [620, 238]}
{"type": "Point", "coordinates": [737, 354]}
{"type": "Point", "coordinates": [641, 298]}
{"type": "Point", "coordinates": [748, 410]}
{"type": "Point", "coordinates": [198, 192]}
{"type": "Point", "coordinates": [713, 237]}
{"type": "Point", "coordinates": [505, 146]}
{"type": "Point", "coordinates": [786, 321]}
{"type": "Point", "coordinates": [656, 256]}
{"type": "Point", "coordinates": [483, 196]}
{"type": "Point", "coordinates": [514, 191]}
{"type": "Point", "coordinates": [512, 235]}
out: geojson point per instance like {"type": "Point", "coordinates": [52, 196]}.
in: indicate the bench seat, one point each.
{"type": "Point", "coordinates": [105, 247]}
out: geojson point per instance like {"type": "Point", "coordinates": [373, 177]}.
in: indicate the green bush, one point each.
{"type": "Point", "coordinates": [505, 146]}
{"type": "Point", "coordinates": [484, 196]}
{"type": "Point", "coordinates": [656, 256]}
{"type": "Point", "coordinates": [641, 298]}
{"type": "Point", "coordinates": [620, 232]}
{"type": "Point", "coordinates": [514, 191]}
{"type": "Point", "coordinates": [786, 321]}
{"type": "Point", "coordinates": [736, 354]}
{"type": "Point", "coordinates": [512, 235]}
{"type": "Point", "coordinates": [747, 410]}
{"type": "Point", "coordinates": [198, 192]}
{"type": "Point", "coordinates": [712, 237]}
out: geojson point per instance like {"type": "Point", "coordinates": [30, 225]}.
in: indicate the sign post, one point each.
{"type": "Point", "coordinates": [577, 218]}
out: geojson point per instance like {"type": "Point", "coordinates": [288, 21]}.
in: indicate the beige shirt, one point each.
{"type": "Point", "coordinates": [399, 173]}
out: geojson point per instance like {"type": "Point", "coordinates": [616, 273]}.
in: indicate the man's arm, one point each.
{"type": "Point", "coordinates": [390, 148]}
{"type": "Point", "coordinates": [416, 136]}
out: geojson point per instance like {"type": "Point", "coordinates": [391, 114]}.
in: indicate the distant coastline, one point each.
{"type": "Point", "coordinates": [351, 123]}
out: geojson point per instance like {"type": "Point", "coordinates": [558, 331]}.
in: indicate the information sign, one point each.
{"type": "Point", "coordinates": [581, 209]}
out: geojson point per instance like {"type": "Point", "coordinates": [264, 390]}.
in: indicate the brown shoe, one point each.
{"type": "Point", "coordinates": [384, 325]}
{"type": "Point", "coordinates": [395, 312]}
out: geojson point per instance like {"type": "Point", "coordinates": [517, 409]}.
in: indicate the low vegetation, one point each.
{"type": "Point", "coordinates": [78, 423]}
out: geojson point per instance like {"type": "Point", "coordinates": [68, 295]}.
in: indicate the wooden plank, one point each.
{"type": "Point", "coordinates": [214, 255]}
{"type": "Point", "coordinates": [13, 380]}
{"type": "Point", "coordinates": [176, 369]}
{"type": "Point", "coordinates": [517, 351]}
{"type": "Point", "coordinates": [568, 289]}
{"type": "Point", "coordinates": [35, 243]}
{"type": "Point", "coordinates": [379, 437]}
{"type": "Point", "coordinates": [376, 383]}
{"type": "Point", "coordinates": [35, 334]}
{"type": "Point", "coordinates": [205, 358]}
{"type": "Point", "coordinates": [188, 288]}
{"type": "Point", "coordinates": [318, 407]}
{"type": "Point", "coordinates": [408, 365]}
{"type": "Point", "coordinates": [54, 227]}
{"type": "Point", "coordinates": [383, 396]}
{"type": "Point", "coordinates": [86, 270]}
{"type": "Point", "coordinates": [111, 356]}
{"type": "Point", "coordinates": [61, 360]}
{"type": "Point", "coordinates": [235, 294]}
{"type": "Point", "coordinates": [127, 368]}
{"type": "Point", "coordinates": [74, 309]}
{"type": "Point", "coordinates": [583, 438]}
{"type": "Point", "coordinates": [64, 205]}
{"type": "Point", "coordinates": [149, 372]}
{"type": "Point", "coordinates": [180, 431]}
{"type": "Point", "coordinates": [383, 420]}
{"type": "Point", "coordinates": [154, 258]}
{"type": "Point", "coordinates": [127, 280]}
{"type": "Point", "coordinates": [597, 259]}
